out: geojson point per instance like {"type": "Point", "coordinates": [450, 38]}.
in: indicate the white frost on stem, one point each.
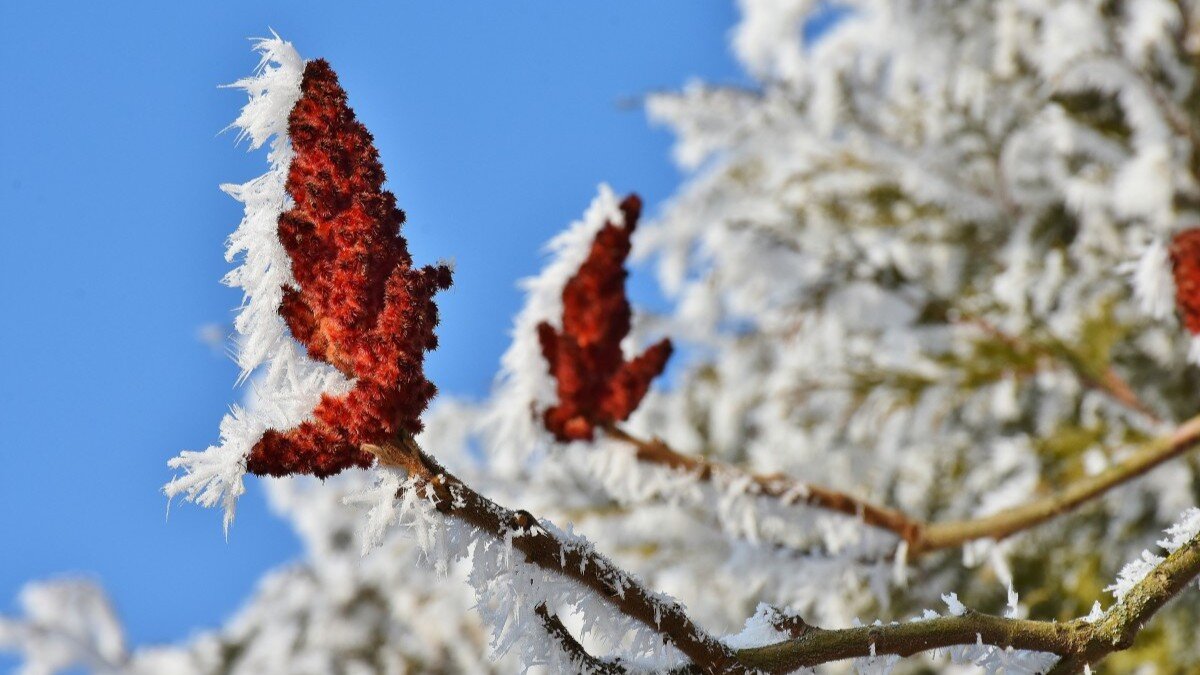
{"type": "Point", "coordinates": [991, 658]}
{"type": "Point", "coordinates": [508, 590]}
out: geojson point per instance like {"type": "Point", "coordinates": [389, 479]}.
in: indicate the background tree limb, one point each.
{"type": "Point", "coordinates": [921, 536]}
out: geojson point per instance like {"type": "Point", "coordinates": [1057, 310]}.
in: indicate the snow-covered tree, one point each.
{"type": "Point", "coordinates": [935, 293]}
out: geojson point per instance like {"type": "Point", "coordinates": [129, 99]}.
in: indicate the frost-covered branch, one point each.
{"type": "Point", "coordinates": [1080, 642]}
{"type": "Point", "coordinates": [1119, 626]}
{"type": "Point", "coordinates": [1025, 516]}
{"type": "Point", "coordinates": [908, 639]}
{"type": "Point", "coordinates": [776, 486]}
{"type": "Point", "coordinates": [567, 642]}
{"type": "Point", "coordinates": [574, 561]}
{"type": "Point", "coordinates": [920, 536]}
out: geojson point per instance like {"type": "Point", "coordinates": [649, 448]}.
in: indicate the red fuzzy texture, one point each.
{"type": "Point", "coordinates": [1185, 264]}
{"type": "Point", "coordinates": [596, 385]}
{"type": "Point", "coordinates": [358, 303]}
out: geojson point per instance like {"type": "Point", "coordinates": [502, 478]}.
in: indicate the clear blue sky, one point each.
{"type": "Point", "coordinates": [495, 121]}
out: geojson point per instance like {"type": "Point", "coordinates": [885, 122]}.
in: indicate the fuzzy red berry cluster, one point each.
{"type": "Point", "coordinates": [359, 304]}
{"type": "Point", "coordinates": [596, 385]}
{"type": "Point", "coordinates": [1185, 265]}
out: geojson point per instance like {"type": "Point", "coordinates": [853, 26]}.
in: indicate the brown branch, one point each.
{"type": "Point", "coordinates": [1078, 642]}
{"type": "Point", "coordinates": [1010, 521]}
{"type": "Point", "coordinates": [579, 563]}
{"type": "Point", "coordinates": [914, 637]}
{"type": "Point", "coordinates": [921, 536]}
{"type": "Point", "coordinates": [776, 486]}
{"type": "Point", "coordinates": [585, 662]}
{"type": "Point", "coordinates": [1108, 382]}
{"type": "Point", "coordinates": [1121, 624]}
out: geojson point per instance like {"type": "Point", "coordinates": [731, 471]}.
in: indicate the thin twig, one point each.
{"type": "Point", "coordinates": [585, 662]}
{"type": "Point", "coordinates": [921, 536]}
{"type": "Point", "coordinates": [1079, 643]}
{"type": "Point", "coordinates": [1108, 382]}
{"type": "Point", "coordinates": [775, 486]}
{"type": "Point", "coordinates": [1005, 523]}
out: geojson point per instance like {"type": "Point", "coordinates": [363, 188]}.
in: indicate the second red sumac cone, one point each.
{"type": "Point", "coordinates": [596, 385]}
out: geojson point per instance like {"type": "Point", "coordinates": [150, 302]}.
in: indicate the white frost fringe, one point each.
{"type": "Point", "coordinates": [1153, 282]}
{"type": "Point", "coordinates": [285, 393]}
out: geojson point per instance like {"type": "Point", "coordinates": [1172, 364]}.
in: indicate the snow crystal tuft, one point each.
{"type": "Point", "coordinates": [952, 602]}
{"type": "Point", "coordinates": [759, 630]}
{"type": "Point", "coordinates": [1183, 531]}
{"type": "Point", "coordinates": [1153, 282]}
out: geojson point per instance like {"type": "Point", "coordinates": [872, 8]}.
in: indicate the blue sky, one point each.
{"type": "Point", "coordinates": [495, 121]}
